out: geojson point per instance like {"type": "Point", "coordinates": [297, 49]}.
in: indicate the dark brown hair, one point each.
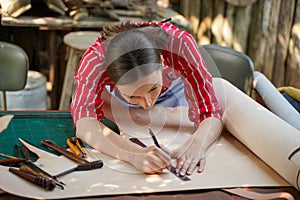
{"type": "Point", "coordinates": [133, 52]}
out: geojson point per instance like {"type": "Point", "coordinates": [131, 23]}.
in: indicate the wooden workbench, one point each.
{"type": "Point", "coordinates": [57, 126]}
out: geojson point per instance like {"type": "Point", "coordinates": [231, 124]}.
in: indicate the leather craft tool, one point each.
{"type": "Point", "coordinates": [39, 153]}
{"type": "Point", "coordinates": [25, 152]}
{"type": "Point", "coordinates": [52, 145]}
{"type": "Point", "coordinates": [41, 181]}
{"type": "Point", "coordinates": [83, 167]}
{"type": "Point", "coordinates": [16, 151]}
{"type": "Point", "coordinates": [7, 156]}
{"type": "Point", "coordinates": [75, 145]}
{"type": "Point", "coordinates": [172, 170]}
{"type": "Point", "coordinates": [35, 168]}
{"type": "Point", "coordinates": [26, 168]}
{"type": "Point", "coordinates": [9, 161]}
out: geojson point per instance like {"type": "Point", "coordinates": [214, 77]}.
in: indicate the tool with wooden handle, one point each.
{"type": "Point", "coordinates": [34, 167]}
{"type": "Point", "coordinates": [26, 168]}
{"type": "Point", "coordinates": [46, 183]}
{"type": "Point", "coordinates": [9, 161]}
{"type": "Point", "coordinates": [16, 151]}
{"type": "Point", "coordinates": [25, 152]}
{"type": "Point", "coordinates": [83, 167]}
{"type": "Point", "coordinates": [66, 153]}
{"type": "Point", "coordinates": [7, 156]}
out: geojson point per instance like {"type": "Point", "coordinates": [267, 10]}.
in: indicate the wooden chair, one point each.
{"type": "Point", "coordinates": [234, 66]}
{"type": "Point", "coordinates": [14, 66]}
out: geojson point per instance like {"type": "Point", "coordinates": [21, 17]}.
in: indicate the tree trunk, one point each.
{"type": "Point", "coordinates": [241, 28]}
{"type": "Point", "coordinates": [268, 31]}
{"type": "Point", "coordinates": [283, 35]}
{"type": "Point", "coordinates": [293, 60]}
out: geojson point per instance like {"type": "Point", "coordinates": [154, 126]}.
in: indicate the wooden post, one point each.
{"type": "Point", "coordinates": [263, 33]}
{"type": "Point", "coordinates": [218, 22]}
{"type": "Point", "coordinates": [271, 39]}
{"type": "Point", "coordinates": [241, 28]}
{"type": "Point", "coordinates": [204, 30]}
{"type": "Point", "coordinates": [283, 35]}
{"type": "Point", "coordinates": [184, 7]}
{"type": "Point", "coordinates": [194, 15]}
{"type": "Point", "coordinates": [266, 30]}
{"type": "Point", "coordinates": [293, 60]}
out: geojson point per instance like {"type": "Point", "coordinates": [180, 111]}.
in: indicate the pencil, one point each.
{"type": "Point", "coordinates": [166, 20]}
{"type": "Point", "coordinates": [154, 138]}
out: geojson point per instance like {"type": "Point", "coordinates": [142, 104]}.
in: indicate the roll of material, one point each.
{"type": "Point", "coordinates": [271, 138]}
{"type": "Point", "coordinates": [275, 101]}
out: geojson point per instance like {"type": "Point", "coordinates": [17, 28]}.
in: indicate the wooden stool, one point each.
{"type": "Point", "coordinates": [77, 43]}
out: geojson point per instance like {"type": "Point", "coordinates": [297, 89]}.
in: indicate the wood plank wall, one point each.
{"type": "Point", "coordinates": [266, 30]}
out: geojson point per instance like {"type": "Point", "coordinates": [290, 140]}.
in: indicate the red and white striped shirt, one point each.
{"type": "Point", "coordinates": [183, 59]}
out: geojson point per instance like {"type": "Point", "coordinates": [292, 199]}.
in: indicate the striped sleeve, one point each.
{"type": "Point", "coordinates": [185, 58]}
{"type": "Point", "coordinates": [90, 80]}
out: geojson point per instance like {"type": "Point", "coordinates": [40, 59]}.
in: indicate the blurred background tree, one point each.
{"type": "Point", "coordinates": [267, 30]}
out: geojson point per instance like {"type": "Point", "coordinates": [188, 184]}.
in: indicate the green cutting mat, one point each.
{"type": "Point", "coordinates": [35, 126]}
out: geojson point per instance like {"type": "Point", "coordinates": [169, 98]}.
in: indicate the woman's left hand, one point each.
{"type": "Point", "coordinates": [191, 155]}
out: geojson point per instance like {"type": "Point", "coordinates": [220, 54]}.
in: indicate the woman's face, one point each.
{"type": "Point", "coordinates": [144, 91]}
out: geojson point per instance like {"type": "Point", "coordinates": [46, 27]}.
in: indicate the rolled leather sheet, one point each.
{"type": "Point", "coordinates": [272, 139]}
{"type": "Point", "coordinates": [275, 101]}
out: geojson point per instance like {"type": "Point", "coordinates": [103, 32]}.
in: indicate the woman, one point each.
{"type": "Point", "coordinates": [140, 67]}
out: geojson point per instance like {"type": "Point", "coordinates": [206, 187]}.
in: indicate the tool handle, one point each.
{"type": "Point", "coordinates": [78, 143]}
{"type": "Point", "coordinates": [16, 150]}
{"type": "Point", "coordinates": [25, 152]}
{"type": "Point", "coordinates": [46, 183]}
{"type": "Point", "coordinates": [8, 161]}
{"type": "Point", "coordinates": [59, 149]}
{"type": "Point", "coordinates": [73, 147]}
{"type": "Point", "coordinates": [27, 169]}
{"type": "Point", "coordinates": [82, 167]}
{"type": "Point", "coordinates": [36, 168]}
{"type": "Point", "coordinates": [90, 165]}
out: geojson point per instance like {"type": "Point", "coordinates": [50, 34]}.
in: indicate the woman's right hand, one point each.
{"type": "Point", "coordinates": [151, 161]}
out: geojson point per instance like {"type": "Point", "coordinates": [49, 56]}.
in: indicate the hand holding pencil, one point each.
{"type": "Point", "coordinates": [151, 160]}
{"type": "Point", "coordinates": [170, 168]}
